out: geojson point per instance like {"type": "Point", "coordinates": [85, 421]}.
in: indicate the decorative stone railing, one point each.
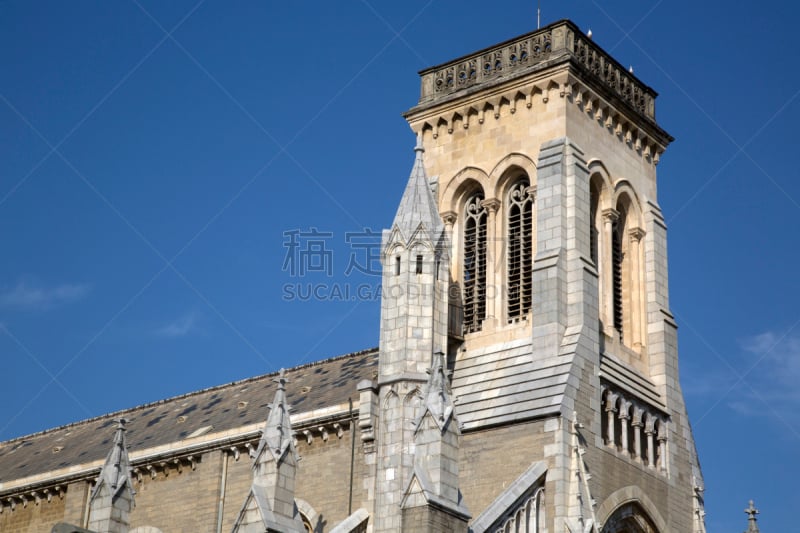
{"type": "Point", "coordinates": [507, 60]}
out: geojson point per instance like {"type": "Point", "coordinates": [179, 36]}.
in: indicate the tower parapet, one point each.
{"type": "Point", "coordinates": [538, 50]}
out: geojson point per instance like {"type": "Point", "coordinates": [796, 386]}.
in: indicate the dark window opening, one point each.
{"type": "Point", "coordinates": [474, 264]}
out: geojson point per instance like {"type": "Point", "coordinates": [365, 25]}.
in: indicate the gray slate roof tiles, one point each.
{"type": "Point", "coordinates": [313, 386]}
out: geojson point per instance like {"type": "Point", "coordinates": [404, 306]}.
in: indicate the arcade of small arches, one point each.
{"type": "Point", "coordinates": [527, 517]}
{"type": "Point", "coordinates": [634, 429]}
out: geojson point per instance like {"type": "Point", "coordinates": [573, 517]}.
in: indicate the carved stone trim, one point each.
{"type": "Point", "coordinates": [492, 204]}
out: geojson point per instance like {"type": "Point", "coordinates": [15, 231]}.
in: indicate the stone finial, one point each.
{"type": "Point", "coordinates": [112, 498]}
{"type": "Point", "coordinates": [437, 398]}
{"type": "Point", "coordinates": [751, 511]}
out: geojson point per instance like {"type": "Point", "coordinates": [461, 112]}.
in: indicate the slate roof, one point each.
{"type": "Point", "coordinates": [312, 386]}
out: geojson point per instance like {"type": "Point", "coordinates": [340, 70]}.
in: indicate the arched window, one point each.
{"type": "Point", "coordinates": [474, 266]}
{"type": "Point", "coordinates": [630, 518]}
{"type": "Point", "coordinates": [520, 250]}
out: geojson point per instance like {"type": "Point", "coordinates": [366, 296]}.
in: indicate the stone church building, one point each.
{"type": "Point", "coordinates": [527, 373]}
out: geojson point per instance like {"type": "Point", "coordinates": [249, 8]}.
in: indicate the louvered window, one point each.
{"type": "Point", "coordinates": [520, 251]}
{"type": "Point", "coordinates": [616, 251]}
{"type": "Point", "coordinates": [474, 264]}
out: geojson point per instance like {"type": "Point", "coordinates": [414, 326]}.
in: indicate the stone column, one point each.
{"type": "Point", "coordinates": [449, 218]}
{"type": "Point", "coordinates": [532, 193]}
{"type": "Point", "coordinates": [623, 424]}
{"type": "Point", "coordinates": [636, 424]}
{"type": "Point", "coordinates": [611, 408]}
{"type": "Point", "coordinates": [649, 430]}
{"type": "Point", "coordinates": [494, 309]}
{"type": "Point", "coordinates": [662, 446]}
{"type": "Point", "coordinates": [637, 322]}
{"type": "Point", "coordinates": [606, 253]}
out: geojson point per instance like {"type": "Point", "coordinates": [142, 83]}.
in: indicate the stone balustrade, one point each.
{"type": "Point", "coordinates": [558, 41]}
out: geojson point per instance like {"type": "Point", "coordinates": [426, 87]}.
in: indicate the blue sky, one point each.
{"type": "Point", "coordinates": [153, 156]}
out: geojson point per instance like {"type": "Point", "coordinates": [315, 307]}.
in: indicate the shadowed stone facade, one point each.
{"type": "Point", "coordinates": [527, 373]}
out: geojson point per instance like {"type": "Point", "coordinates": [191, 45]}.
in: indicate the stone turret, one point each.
{"type": "Point", "coordinates": [415, 270]}
{"type": "Point", "coordinates": [269, 505]}
{"type": "Point", "coordinates": [112, 500]}
{"type": "Point", "coordinates": [414, 310]}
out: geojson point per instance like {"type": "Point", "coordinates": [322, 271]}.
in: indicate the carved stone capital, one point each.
{"type": "Point", "coordinates": [636, 234]}
{"type": "Point", "coordinates": [449, 217]}
{"type": "Point", "coordinates": [610, 215]}
{"type": "Point", "coordinates": [624, 409]}
{"type": "Point", "coordinates": [611, 401]}
{"type": "Point", "coordinates": [492, 204]}
{"type": "Point", "coordinates": [638, 412]}
{"type": "Point", "coordinates": [531, 191]}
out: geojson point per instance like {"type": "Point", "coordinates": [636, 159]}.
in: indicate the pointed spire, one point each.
{"type": "Point", "coordinates": [418, 206]}
{"type": "Point", "coordinates": [751, 511]}
{"type": "Point", "coordinates": [269, 505]}
{"type": "Point", "coordinates": [276, 438]}
{"type": "Point", "coordinates": [112, 497]}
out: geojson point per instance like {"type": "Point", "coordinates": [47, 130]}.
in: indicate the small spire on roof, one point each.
{"type": "Point", "coordinates": [112, 497]}
{"type": "Point", "coordinates": [751, 511]}
{"type": "Point", "coordinates": [277, 435]}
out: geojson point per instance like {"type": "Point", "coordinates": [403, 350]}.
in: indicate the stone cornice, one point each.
{"type": "Point", "coordinates": [533, 92]}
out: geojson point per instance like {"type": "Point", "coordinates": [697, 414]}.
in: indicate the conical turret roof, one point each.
{"type": "Point", "coordinates": [418, 206]}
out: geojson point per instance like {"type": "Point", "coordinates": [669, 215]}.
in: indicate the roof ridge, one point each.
{"type": "Point", "coordinates": [182, 396]}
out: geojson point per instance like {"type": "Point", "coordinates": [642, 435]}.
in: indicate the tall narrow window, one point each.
{"type": "Point", "coordinates": [474, 264]}
{"type": "Point", "coordinates": [616, 259]}
{"type": "Point", "coordinates": [594, 224]}
{"type": "Point", "coordinates": [520, 250]}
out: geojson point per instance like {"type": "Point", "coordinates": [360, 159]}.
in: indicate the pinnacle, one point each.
{"type": "Point", "coordinates": [418, 206]}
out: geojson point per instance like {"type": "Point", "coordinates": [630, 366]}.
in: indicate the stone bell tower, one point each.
{"type": "Point", "coordinates": [544, 148]}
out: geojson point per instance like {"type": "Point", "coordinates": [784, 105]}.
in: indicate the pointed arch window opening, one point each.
{"type": "Point", "coordinates": [474, 263]}
{"type": "Point", "coordinates": [520, 251]}
{"type": "Point", "coordinates": [594, 227]}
